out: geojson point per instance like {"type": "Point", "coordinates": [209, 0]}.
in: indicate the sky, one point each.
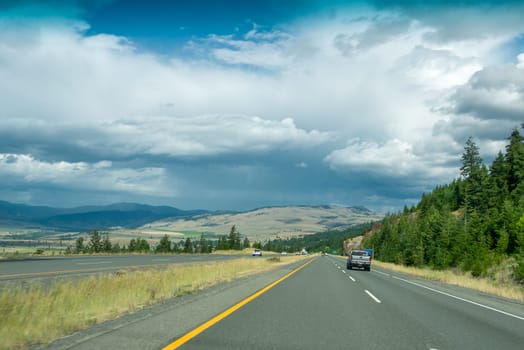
{"type": "Point", "coordinates": [235, 105]}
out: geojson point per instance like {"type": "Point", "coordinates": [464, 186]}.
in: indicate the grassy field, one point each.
{"type": "Point", "coordinates": [35, 314]}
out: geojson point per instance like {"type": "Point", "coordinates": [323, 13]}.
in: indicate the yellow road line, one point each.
{"type": "Point", "coordinates": [191, 334]}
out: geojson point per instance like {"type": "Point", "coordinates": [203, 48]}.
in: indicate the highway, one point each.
{"type": "Point", "coordinates": [42, 267]}
{"type": "Point", "coordinates": [321, 306]}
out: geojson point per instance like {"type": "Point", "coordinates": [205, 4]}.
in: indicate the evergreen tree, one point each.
{"type": "Point", "coordinates": [79, 245]}
{"type": "Point", "coordinates": [474, 173]}
{"type": "Point", "coordinates": [164, 245]}
{"type": "Point", "coordinates": [515, 165]}
{"type": "Point", "coordinates": [246, 243]}
{"type": "Point", "coordinates": [188, 246]}
{"type": "Point", "coordinates": [143, 246]}
{"type": "Point", "coordinates": [95, 244]}
{"type": "Point", "coordinates": [132, 247]}
{"type": "Point", "coordinates": [223, 243]}
{"type": "Point", "coordinates": [492, 228]}
{"type": "Point", "coordinates": [234, 239]}
{"type": "Point", "coordinates": [497, 185]}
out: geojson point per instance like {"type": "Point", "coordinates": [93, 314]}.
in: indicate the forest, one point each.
{"type": "Point", "coordinates": [474, 224]}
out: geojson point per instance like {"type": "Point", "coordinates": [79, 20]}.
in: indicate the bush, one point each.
{"type": "Point", "coordinates": [518, 271]}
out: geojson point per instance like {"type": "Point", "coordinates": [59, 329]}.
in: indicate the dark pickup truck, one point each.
{"type": "Point", "coordinates": [359, 258]}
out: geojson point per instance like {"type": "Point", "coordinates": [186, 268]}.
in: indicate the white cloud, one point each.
{"type": "Point", "coordinates": [99, 176]}
{"type": "Point", "coordinates": [394, 158]}
{"type": "Point", "coordinates": [209, 135]}
{"type": "Point", "coordinates": [438, 69]}
{"type": "Point", "coordinates": [520, 59]}
{"type": "Point", "coordinates": [302, 89]}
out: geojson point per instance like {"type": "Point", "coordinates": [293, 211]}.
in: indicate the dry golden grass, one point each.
{"type": "Point", "coordinates": [37, 314]}
{"type": "Point", "coordinates": [496, 286]}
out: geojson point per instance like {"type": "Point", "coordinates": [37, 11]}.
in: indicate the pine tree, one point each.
{"type": "Point", "coordinates": [164, 245]}
{"type": "Point", "coordinates": [515, 165]}
{"type": "Point", "coordinates": [246, 243]}
{"type": "Point", "coordinates": [234, 238]}
{"type": "Point", "coordinates": [497, 185]}
{"type": "Point", "coordinates": [473, 173]}
{"type": "Point", "coordinates": [188, 246]}
{"type": "Point", "coordinates": [95, 244]}
{"type": "Point", "coordinates": [223, 243]}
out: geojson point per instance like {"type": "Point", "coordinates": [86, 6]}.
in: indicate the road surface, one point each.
{"type": "Point", "coordinates": [322, 306]}
{"type": "Point", "coordinates": [42, 267]}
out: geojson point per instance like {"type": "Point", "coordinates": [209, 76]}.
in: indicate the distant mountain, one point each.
{"type": "Point", "coordinates": [270, 222]}
{"type": "Point", "coordinates": [129, 215]}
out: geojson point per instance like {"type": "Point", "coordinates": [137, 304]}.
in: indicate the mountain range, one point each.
{"type": "Point", "coordinates": [129, 215]}
{"type": "Point", "coordinates": [258, 224]}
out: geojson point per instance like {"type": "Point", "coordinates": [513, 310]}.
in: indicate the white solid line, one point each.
{"type": "Point", "coordinates": [351, 278]}
{"type": "Point", "coordinates": [382, 273]}
{"type": "Point", "coordinates": [372, 296]}
{"type": "Point", "coordinates": [459, 298]}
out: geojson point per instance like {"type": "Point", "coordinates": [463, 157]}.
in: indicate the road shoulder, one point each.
{"type": "Point", "coordinates": [156, 326]}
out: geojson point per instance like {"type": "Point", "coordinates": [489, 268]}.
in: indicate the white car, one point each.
{"type": "Point", "coordinates": [257, 252]}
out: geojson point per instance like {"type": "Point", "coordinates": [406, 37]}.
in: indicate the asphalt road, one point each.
{"type": "Point", "coordinates": [42, 267]}
{"type": "Point", "coordinates": [323, 306]}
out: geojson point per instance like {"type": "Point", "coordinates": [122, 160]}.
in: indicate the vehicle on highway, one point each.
{"type": "Point", "coordinates": [359, 258]}
{"type": "Point", "coordinates": [283, 253]}
{"type": "Point", "coordinates": [257, 252]}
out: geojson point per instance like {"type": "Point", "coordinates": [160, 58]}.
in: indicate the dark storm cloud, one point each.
{"type": "Point", "coordinates": [494, 93]}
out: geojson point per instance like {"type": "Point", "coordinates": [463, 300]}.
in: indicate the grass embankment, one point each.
{"type": "Point", "coordinates": [37, 314]}
{"type": "Point", "coordinates": [500, 283]}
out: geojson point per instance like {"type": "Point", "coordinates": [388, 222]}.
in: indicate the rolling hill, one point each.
{"type": "Point", "coordinates": [270, 222]}
{"type": "Point", "coordinates": [127, 215]}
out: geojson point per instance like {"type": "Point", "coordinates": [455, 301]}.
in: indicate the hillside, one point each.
{"type": "Point", "coordinates": [128, 215]}
{"type": "Point", "coordinates": [475, 223]}
{"type": "Point", "coordinates": [271, 222]}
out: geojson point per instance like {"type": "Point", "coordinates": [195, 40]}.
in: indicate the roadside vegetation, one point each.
{"type": "Point", "coordinates": [330, 241]}
{"type": "Point", "coordinates": [38, 314]}
{"type": "Point", "coordinates": [499, 280]}
{"type": "Point", "coordinates": [474, 224]}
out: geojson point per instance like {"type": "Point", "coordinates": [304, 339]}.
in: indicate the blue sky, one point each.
{"type": "Point", "coordinates": [243, 104]}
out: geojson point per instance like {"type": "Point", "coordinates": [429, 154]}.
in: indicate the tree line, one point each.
{"type": "Point", "coordinates": [473, 223]}
{"type": "Point", "coordinates": [99, 242]}
{"type": "Point", "coordinates": [327, 241]}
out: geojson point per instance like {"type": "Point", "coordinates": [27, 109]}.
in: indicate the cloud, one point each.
{"type": "Point", "coordinates": [437, 69]}
{"type": "Point", "coordinates": [210, 135]}
{"type": "Point", "coordinates": [463, 21]}
{"type": "Point", "coordinates": [263, 49]}
{"type": "Point", "coordinates": [24, 169]}
{"type": "Point", "coordinates": [379, 31]}
{"type": "Point", "coordinates": [494, 93]}
{"type": "Point", "coordinates": [365, 99]}
{"type": "Point", "coordinates": [200, 136]}
{"type": "Point", "coordinates": [394, 158]}
{"type": "Point", "coordinates": [520, 59]}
